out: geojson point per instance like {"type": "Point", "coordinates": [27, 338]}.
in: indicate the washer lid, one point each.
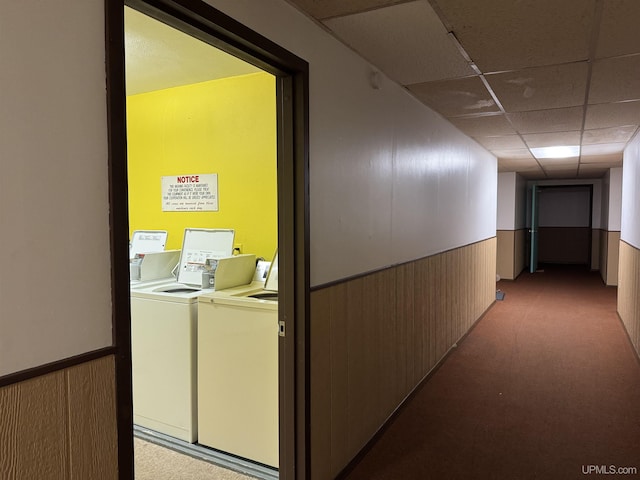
{"type": "Point", "coordinates": [200, 245]}
{"type": "Point", "coordinates": [271, 283]}
{"type": "Point", "coordinates": [147, 241]}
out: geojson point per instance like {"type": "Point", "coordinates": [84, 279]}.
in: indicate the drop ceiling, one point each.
{"type": "Point", "coordinates": [512, 74]}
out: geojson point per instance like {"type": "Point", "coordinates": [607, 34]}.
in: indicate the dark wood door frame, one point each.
{"type": "Point", "coordinates": [292, 79]}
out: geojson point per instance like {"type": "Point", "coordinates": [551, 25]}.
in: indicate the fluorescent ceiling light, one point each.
{"type": "Point", "coordinates": [556, 152]}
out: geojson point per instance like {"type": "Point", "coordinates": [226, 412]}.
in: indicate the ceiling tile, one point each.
{"type": "Point", "coordinates": [608, 135]}
{"type": "Point", "coordinates": [517, 154]}
{"type": "Point", "coordinates": [534, 55]}
{"type": "Point", "coordinates": [615, 80]}
{"type": "Point", "coordinates": [543, 121]}
{"type": "Point", "coordinates": [519, 165]}
{"type": "Point", "coordinates": [612, 115]}
{"type": "Point", "coordinates": [592, 174]}
{"type": "Point", "coordinates": [563, 173]}
{"type": "Point", "coordinates": [406, 41]}
{"type": "Point", "coordinates": [541, 88]}
{"type": "Point", "coordinates": [525, 171]}
{"type": "Point", "coordinates": [484, 126]}
{"type": "Point", "coordinates": [608, 161]}
{"type": "Point", "coordinates": [613, 159]}
{"type": "Point", "coordinates": [602, 149]}
{"type": "Point", "coordinates": [334, 8]}
{"type": "Point", "coordinates": [558, 163]}
{"type": "Point", "coordinates": [508, 35]}
{"type": "Point", "coordinates": [456, 97]}
{"type": "Point", "coordinates": [535, 140]}
{"type": "Point", "coordinates": [506, 142]}
{"type": "Point", "coordinates": [619, 28]}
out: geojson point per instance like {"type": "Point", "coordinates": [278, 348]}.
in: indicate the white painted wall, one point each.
{"type": "Point", "coordinates": [615, 199]}
{"type": "Point", "coordinates": [506, 201]}
{"type": "Point", "coordinates": [596, 214]}
{"type": "Point", "coordinates": [604, 214]}
{"type": "Point", "coordinates": [521, 202]}
{"type": "Point", "coordinates": [512, 201]}
{"type": "Point", "coordinates": [630, 199]}
{"type": "Point", "coordinates": [390, 180]}
{"type": "Point", "coordinates": [566, 207]}
{"type": "Point", "coordinates": [55, 292]}
{"type": "Point", "coordinates": [596, 206]}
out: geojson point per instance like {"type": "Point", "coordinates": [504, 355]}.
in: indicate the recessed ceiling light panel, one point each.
{"type": "Point", "coordinates": [556, 152]}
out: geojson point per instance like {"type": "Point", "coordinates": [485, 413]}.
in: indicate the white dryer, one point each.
{"type": "Point", "coordinates": [163, 339]}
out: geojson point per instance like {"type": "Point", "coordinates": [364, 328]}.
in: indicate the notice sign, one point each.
{"type": "Point", "coordinates": [190, 193]}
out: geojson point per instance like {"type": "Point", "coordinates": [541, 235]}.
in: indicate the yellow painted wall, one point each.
{"type": "Point", "coordinates": [223, 126]}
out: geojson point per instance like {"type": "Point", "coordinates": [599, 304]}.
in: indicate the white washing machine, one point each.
{"type": "Point", "coordinates": [238, 373]}
{"type": "Point", "coordinates": [163, 339]}
{"type": "Point", "coordinates": [163, 356]}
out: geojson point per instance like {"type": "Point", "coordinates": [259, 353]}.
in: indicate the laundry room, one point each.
{"type": "Point", "coordinates": [202, 182]}
{"type": "Point", "coordinates": [224, 127]}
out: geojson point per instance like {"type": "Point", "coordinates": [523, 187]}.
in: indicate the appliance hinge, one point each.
{"type": "Point", "coordinates": [281, 328]}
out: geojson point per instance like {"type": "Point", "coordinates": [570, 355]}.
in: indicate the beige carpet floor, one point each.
{"type": "Point", "coordinates": [153, 462]}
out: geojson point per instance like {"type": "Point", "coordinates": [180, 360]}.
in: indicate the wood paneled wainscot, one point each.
{"type": "Point", "coordinates": [609, 253]}
{"type": "Point", "coordinates": [629, 291]}
{"type": "Point", "coordinates": [511, 253]}
{"type": "Point", "coordinates": [61, 425]}
{"type": "Point", "coordinates": [376, 337]}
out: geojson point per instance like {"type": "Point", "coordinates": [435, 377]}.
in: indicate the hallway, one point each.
{"type": "Point", "coordinates": [546, 386]}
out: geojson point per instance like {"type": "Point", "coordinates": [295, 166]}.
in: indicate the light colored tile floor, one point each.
{"type": "Point", "coordinates": [153, 462]}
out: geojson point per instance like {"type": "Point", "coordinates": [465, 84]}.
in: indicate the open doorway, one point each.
{"type": "Point", "coordinates": [561, 225]}
{"type": "Point", "coordinates": [289, 78]}
{"type": "Point", "coordinates": [564, 225]}
{"type": "Point", "coordinates": [201, 144]}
